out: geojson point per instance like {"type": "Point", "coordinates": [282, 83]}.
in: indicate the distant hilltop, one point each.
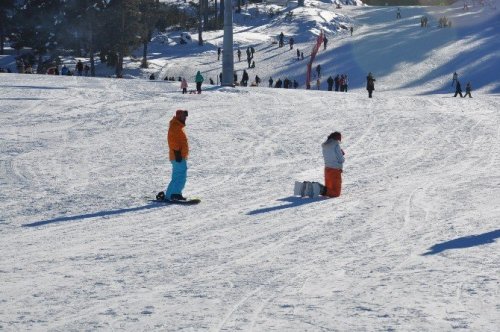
{"type": "Point", "coordinates": [409, 2]}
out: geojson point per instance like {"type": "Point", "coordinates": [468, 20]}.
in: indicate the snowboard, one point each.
{"type": "Point", "coordinates": [307, 188]}
{"type": "Point", "coordinates": [189, 201]}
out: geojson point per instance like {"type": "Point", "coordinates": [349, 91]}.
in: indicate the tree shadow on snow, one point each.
{"type": "Point", "coordinates": [92, 215]}
{"type": "Point", "coordinates": [293, 201]}
{"type": "Point", "coordinates": [464, 242]}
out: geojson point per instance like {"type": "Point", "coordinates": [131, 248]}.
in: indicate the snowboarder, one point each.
{"type": "Point", "coordinates": [325, 42]}
{"type": "Point", "coordinates": [199, 80]}
{"type": "Point", "coordinates": [370, 84]}
{"type": "Point", "coordinates": [219, 51]}
{"type": "Point", "coordinates": [398, 13]}
{"type": "Point", "coordinates": [178, 151]}
{"type": "Point", "coordinates": [184, 86]}
{"type": "Point", "coordinates": [468, 89]}
{"type": "Point", "coordinates": [291, 41]}
{"type": "Point", "coordinates": [334, 161]}
{"type": "Point", "coordinates": [458, 90]}
{"type": "Point", "coordinates": [271, 82]}
{"type": "Point", "coordinates": [239, 54]}
{"type": "Point", "coordinates": [281, 39]}
{"type": "Point", "coordinates": [352, 29]}
{"type": "Point", "coordinates": [298, 54]}
{"type": "Point", "coordinates": [318, 70]}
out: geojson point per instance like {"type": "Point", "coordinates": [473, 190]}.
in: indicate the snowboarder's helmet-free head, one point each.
{"type": "Point", "coordinates": [180, 113]}
{"type": "Point", "coordinates": [336, 136]}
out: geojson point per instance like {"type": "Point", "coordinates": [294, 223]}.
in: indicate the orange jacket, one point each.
{"type": "Point", "coordinates": [177, 139]}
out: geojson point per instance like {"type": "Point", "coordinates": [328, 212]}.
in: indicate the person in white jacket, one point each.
{"type": "Point", "coordinates": [334, 161]}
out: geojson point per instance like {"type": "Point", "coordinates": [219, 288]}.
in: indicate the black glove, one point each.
{"type": "Point", "coordinates": [178, 156]}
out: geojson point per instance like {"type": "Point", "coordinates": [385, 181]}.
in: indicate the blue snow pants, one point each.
{"type": "Point", "coordinates": [179, 174]}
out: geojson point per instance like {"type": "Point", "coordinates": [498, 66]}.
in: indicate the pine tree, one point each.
{"type": "Point", "coordinates": [121, 30]}
{"type": "Point", "coordinates": [150, 16]}
{"type": "Point", "coordinates": [40, 25]}
{"type": "Point", "coordinates": [6, 12]}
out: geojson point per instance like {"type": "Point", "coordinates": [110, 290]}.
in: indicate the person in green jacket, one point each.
{"type": "Point", "coordinates": [198, 80]}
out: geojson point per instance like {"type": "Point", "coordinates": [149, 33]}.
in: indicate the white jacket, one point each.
{"type": "Point", "coordinates": [334, 158]}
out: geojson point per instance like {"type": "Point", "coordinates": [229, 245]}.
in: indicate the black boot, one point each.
{"type": "Point", "coordinates": [160, 196]}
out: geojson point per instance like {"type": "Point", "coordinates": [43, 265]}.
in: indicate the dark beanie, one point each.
{"type": "Point", "coordinates": [336, 136]}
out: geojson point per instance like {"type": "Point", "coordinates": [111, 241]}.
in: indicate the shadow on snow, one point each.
{"type": "Point", "coordinates": [464, 242]}
{"type": "Point", "coordinates": [293, 201]}
{"type": "Point", "coordinates": [92, 215]}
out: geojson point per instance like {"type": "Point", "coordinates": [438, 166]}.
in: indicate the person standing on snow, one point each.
{"type": "Point", "coordinates": [458, 90]}
{"type": "Point", "coordinates": [178, 151]}
{"type": "Point", "coordinates": [184, 86]}
{"type": "Point", "coordinates": [370, 84]}
{"type": "Point", "coordinates": [468, 89]}
{"type": "Point", "coordinates": [79, 67]}
{"type": "Point", "coordinates": [199, 80]}
{"type": "Point", "coordinates": [329, 81]}
{"type": "Point", "coordinates": [455, 79]}
{"type": "Point", "coordinates": [334, 161]}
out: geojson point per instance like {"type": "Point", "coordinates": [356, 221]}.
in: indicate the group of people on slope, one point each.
{"type": "Point", "coordinates": [458, 88]}
{"type": "Point", "coordinates": [178, 152]}
{"type": "Point", "coordinates": [198, 80]}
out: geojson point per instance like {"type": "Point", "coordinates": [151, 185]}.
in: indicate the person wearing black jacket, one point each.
{"type": "Point", "coordinates": [458, 89]}
{"type": "Point", "coordinates": [329, 81]}
{"type": "Point", "coordinates": [370, 84]}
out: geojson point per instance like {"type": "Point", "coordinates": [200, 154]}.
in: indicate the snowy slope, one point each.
{"type": "Point", "coordinates": [412, 244]}
{"type": "Point", "coordinates": [401, 54]}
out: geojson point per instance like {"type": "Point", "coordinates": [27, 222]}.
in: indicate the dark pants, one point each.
{"type": "Point", "coordinates": [198, 87]}
{"type": "Point", "coordinates": [458, 93]}
{"type": "Point", "coordinates": [370, 93]}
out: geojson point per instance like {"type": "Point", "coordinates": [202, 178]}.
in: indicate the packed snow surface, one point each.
{"type": "Point", "coordinates": [412, 243]}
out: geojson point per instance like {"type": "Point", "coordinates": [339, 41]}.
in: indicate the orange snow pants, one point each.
{"type": "Point", "coordinates": [333, 181]}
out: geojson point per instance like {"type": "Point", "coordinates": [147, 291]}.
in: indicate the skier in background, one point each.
{"type": "Point", "coordinates": [184, 86]}
{"type": "Point", "coordinates": [199, 80]}
{"type": "Point", "coordinates": [334, 161]}
{"type": "Point", "coordinates": [370, 84]}
{"type": "Point", "coordinates": [178, 151]}
{"type": "Point", "coordinates": [458, 90]}
{"type": "Point", "coordinates": [468, 89]}
{"type": "Point", "coordinates": [455, 79]}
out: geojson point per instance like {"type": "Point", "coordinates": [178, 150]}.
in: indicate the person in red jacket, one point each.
{"type": "Point", "coordinates": [178, 154]}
